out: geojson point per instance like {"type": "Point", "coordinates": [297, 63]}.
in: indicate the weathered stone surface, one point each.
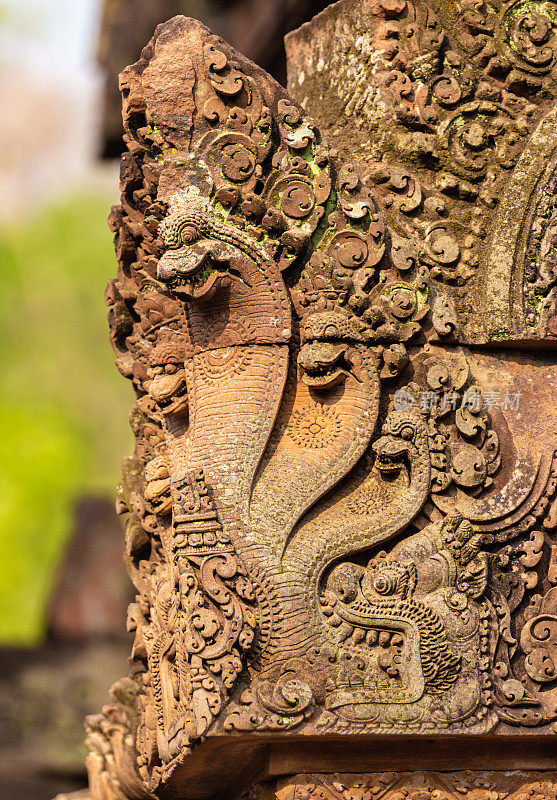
{"type": "Point", "coordinates": [127, 24]}
{"type": "Point", "coordinates": [125, 27]}
{"type": "Point", "coordinates": [448, 108]}
{"type": "Point", "coordinates": [341, 508]}
{"type": "Point", "coordinates": [413, 786]}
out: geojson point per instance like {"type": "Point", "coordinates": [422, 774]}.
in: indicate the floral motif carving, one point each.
{"type": "Point", "coordinates": [442, 104]}
{"type": "Point", "coordinates": [418, 786]}
{"type": "Point", "coordinates": [314, 426]}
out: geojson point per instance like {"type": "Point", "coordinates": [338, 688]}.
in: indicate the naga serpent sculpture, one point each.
{"type": "Point", "coordinates": [309, 548]}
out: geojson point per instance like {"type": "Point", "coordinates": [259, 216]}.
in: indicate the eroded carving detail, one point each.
{"type": "Point", "coordinates": [416, 786]}
{"type": "Point", "coordinates": [333, 523]}
{"type": "Point", "coordinates": [441, 101]}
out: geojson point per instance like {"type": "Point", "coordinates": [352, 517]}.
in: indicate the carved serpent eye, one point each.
{"type": "Point", "coordinates": [188, 234]}
{"type": "Point", "coordinates": [407, 433]}
{"type": "Point", "coordinates": [331, 331]}
{"type": "Point", "coordinates": [385, 584]}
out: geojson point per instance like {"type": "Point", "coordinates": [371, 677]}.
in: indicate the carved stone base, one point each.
{"type": "Point", "coordinates": [418, 785]}
{"type": "Point", "coordinates": [411, 786]}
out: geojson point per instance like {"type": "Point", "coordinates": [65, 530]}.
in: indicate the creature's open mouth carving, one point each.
{"type": "Point", "coordinates": [200, 287]}
{"type": "Point", "coordinates": [179, 402]}
{"type": "Point", "coordinates": [180, 263]}
{"type": "Point", "coordinates": [169, 391]}
{"type": "Point", "coordinates": [194, 271]}
{"type": "Point", "coordinates": [157, 494]}
{"type": "Point", "coordinates": [324, 364]}
{"type": "Point", "coordinates": [391, 455]}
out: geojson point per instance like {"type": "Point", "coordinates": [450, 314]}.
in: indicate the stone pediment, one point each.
{"type": "Point", "coordinates": [338, 318]}
{"type": "Point", "coordinates": [448, 110]}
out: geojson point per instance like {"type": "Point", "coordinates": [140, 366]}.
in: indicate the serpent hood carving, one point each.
{"type": "Point", "coordinates": [332, 524]}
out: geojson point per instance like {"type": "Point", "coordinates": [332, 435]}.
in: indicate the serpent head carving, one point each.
{"type": "Point", "coordinates": [323, 364]}
{"type": "Point", "coordinates": [403, 436]}
{"type": "Point", "coordinates": [325, 353]}
{"type": "Point", "coordinates": [194, 264]}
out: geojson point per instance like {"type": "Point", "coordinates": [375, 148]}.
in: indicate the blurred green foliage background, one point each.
{"type": "Point", "coordinates": [63, 405]}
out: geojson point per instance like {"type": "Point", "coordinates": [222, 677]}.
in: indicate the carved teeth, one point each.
{"type": "Point", "coordinates": [324, 379]}
{"type": "Point", "coordinates": [201, 289]}
{"type": "Point", "coordinates": [389, 463]}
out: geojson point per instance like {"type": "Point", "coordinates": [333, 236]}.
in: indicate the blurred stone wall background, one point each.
{"type": "Point", "coordinates": [63, 406]}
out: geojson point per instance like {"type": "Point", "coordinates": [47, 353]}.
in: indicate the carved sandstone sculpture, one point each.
{"type": "Point", "coordinates": [341, 507]}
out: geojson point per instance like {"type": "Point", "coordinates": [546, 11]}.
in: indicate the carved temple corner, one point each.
{"type": "Point", "coordinates": [336, 306]}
